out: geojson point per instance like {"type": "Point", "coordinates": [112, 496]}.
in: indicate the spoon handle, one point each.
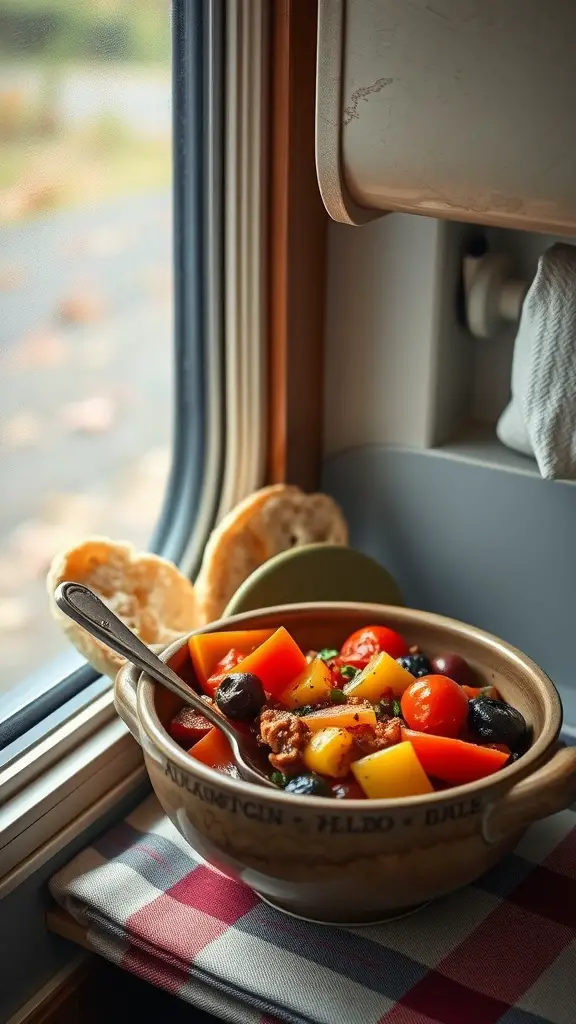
{"type": "Point", "coordinates": [82, 605]}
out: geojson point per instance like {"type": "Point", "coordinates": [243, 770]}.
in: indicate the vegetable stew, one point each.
{"type": "Point", "coordinates": [376, 719]}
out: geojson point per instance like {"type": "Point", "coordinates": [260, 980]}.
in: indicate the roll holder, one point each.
{"type": "Point", "coordinates": [493, 297]}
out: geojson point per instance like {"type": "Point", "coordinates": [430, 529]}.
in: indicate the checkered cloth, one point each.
{"type": "Point", "coordinates": [502, 950]}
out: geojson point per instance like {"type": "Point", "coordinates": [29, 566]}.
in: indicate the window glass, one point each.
{"type": "Point", "coordinates": [85, 293]}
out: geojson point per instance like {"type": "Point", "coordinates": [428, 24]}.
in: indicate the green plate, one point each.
{"type": "Point", "coordinates": [317, 572]}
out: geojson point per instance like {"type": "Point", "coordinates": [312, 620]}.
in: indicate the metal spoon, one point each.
{"type": "Point", "coordinates": [82, 605]}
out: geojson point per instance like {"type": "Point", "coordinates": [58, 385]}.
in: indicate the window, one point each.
{"type": "Point", "coordinates": [86, 304]}
{"type": "Point", "coordinates": [183, 372]}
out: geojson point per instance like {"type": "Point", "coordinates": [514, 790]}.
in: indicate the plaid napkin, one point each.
{"type": "Point", "coordinates": [503, 950]}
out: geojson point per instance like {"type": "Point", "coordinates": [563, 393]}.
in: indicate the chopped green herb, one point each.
{"type": "Point", "coordinates": [337, 696]}
{"type": "Point", "coordinates": [305, 710]}
{"type": "Point", "coordinates": [348, 671]}
{"type": "Point", "coordinates": [327, 653]}
{"type": "Point", "coordinates": [384, 710]}
{"type": "Point", "coordinates": [278, 779]}
{"type": "Point", "coordinates": [388, 708]}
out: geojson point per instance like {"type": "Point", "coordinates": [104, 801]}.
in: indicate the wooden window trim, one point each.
{"type": "Point", "coordinates": [297, 224]}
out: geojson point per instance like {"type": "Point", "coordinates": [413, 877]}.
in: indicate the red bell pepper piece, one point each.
{"type": "Point", "coordinates": [276, 662]}
{"type": "Point", "coordinates": [188, 726]}
{"type": "Point", "coordinates": [454, 761]}
{"type": "Point", "coordinates": [499, 746]}
{"type": "Point", "coordinates": [481, 691]}
{"type": "Point", "coordinates": [222, 669]}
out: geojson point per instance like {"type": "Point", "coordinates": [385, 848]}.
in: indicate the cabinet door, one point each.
{"type": "Point", "coordinates": [460, 109]}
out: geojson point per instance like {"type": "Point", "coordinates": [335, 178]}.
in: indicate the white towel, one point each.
{"type": "Point", "coordinates": [541, 417]}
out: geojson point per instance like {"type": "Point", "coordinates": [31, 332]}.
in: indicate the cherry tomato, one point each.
{"type": "Point", "coordinates": [435, 704]}
{"type": "Point", "coordinates": [364, 643]}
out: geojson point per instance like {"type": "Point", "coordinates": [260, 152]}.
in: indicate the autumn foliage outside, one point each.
{"type": "Point", "coordinates": [85, 292]}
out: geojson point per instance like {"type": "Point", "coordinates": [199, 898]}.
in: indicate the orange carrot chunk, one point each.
{"type": "Point", "coordinates": [209, 650]}
{"type": "Point", "coordinates": [213, 750]}
{"type": "Point", "coordinates": [277, 662]}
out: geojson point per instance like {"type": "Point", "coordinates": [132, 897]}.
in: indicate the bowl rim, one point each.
{"type": "Point", "coordinates": [505, 778]}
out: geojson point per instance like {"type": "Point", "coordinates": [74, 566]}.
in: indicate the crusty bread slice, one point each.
{"type": "Point", "coordinates": [269, 521]}
{"type": "Point", "coordinates": [147, 592]}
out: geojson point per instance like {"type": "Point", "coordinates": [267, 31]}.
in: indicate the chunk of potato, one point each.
{"type": "Point", "coordinates": [313, 686]}
{"type": "Point", "coordinates": [340, 716]}
{"type": "Point", "coordinates": [382, 673]}
{"type": "Point", "coordinates": [328, 752]}
{"type": "Point", "coordinates": [390, 773]}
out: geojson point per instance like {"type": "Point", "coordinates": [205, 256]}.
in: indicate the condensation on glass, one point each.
{"type": "Point", "coordinates": [85, 293]}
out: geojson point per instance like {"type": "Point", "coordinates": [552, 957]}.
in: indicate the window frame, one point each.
{"type": "Point", "coordinates": [298, 253]}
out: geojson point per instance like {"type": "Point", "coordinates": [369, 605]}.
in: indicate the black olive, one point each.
{"type": "Point", "coordinates": [453, 666]}
{"type": "Point", "coordinates": [512, 759]}
{"type": "Point", "coordinates": [240, 696]}
{"type": "Point", "coordinates": [496, 722]}
{"type": "Point", "coordinates": [308, 785]}
{"type": "Point", "coordinates": [417, 664]}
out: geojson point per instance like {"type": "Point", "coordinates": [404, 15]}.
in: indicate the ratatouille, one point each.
{"type": "Point", "coordinates": [375, 719]}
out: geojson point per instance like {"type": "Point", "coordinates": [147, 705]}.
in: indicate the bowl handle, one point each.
{"type": "Point", "coordinates": [126, 690]}
{"type": "Point", "coordinates": [550, 789]}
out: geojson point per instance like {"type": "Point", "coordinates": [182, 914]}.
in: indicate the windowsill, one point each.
{"type": "Point", "coordinates": [476, 442]}
{"type": "Point", "coordinates": [54, 791]}
{"type": "Point", "coordinates": [42, 679]}
{"type": "Point", "coordinates": [51, 725]}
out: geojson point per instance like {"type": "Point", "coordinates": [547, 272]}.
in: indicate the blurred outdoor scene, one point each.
{"type": "Point", "coordinates": [85, 293]}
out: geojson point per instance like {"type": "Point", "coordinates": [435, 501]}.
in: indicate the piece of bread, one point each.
{"type": "Point", "coordinates": [147, 592]}
{"type": "Point", "coordinates": [264, 524]}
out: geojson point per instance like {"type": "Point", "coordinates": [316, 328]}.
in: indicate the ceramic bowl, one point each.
{"type": "Point", "coordinates": [363, 860]}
